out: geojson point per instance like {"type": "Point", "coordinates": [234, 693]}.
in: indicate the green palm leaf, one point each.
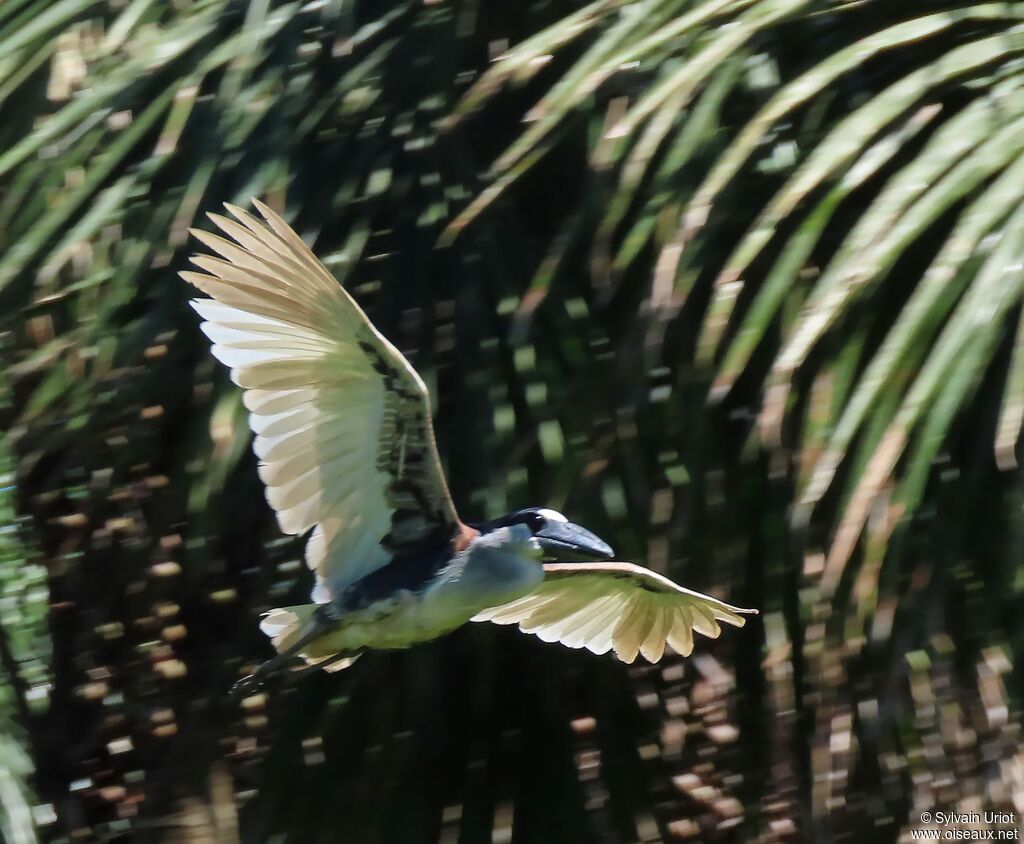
{"type": "Point", "coordinates": [937, 141]}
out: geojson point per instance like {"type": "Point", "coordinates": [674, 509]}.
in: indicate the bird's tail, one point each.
{"type": "Point", "coordinates": [287, 625]}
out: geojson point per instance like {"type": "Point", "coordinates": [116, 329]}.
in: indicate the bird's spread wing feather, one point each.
{"type": "Point", "coordinates": [342, 421]}
{"type": "Point", "coordinates": [615, 606]}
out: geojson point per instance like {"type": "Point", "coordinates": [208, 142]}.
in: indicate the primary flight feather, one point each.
{"type": "Point", "coordinates": [347, 453]}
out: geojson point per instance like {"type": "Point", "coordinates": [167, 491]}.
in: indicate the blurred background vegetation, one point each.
{"type": "Point", "coordinates": [737, 283]}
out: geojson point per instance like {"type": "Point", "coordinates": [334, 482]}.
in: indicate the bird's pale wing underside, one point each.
{"type": "Point", "coordinates": [342, 421]}
{"type": "Point", "coordinates": [615, 606]}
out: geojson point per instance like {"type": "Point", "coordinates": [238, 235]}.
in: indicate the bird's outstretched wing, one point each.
{"type": "Point", "coordinates": [615, 606]}
{"type": "Point", "coordinates": [342, 421]}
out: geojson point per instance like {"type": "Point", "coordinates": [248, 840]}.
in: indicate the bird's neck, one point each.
{"type": "Point", "coordinates": [497, 567]}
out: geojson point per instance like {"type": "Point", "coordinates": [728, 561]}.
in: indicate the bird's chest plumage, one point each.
{"type": "Point", "coordinates": [421, 598]}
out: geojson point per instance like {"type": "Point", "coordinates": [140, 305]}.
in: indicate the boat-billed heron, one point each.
{"type": "Point", "coordinates": [346, 451]}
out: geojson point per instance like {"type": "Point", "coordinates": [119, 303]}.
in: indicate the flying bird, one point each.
{"type": "Point", "coordinates": [346, 451]}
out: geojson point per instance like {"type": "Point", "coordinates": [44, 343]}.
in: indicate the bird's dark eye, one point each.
{"type": "Point", "coordinates": [535, 521]}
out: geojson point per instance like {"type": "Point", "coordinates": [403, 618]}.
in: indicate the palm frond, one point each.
{"type": "Point", "coordinates": [935, 143]}
{"type": "Point", "coordinates": [24, 662]}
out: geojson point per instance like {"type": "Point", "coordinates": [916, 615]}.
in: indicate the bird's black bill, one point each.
{"type": "Point", "coordinates": [566, 541]}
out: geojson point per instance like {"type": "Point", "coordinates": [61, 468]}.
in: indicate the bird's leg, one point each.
{"type": "Point", "coordinates": [325, 617]}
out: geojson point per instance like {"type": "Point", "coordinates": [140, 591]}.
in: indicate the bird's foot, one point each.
{"type": "Point", "coordinates": [247, 686]}
{"type": "Point", "coordinates": [325, 617]}
{"type": "Point", "coordinates": [264, 673]}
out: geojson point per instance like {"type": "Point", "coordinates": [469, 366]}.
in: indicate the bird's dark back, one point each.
{"type": "Point", "coordinates": [409, 572]}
